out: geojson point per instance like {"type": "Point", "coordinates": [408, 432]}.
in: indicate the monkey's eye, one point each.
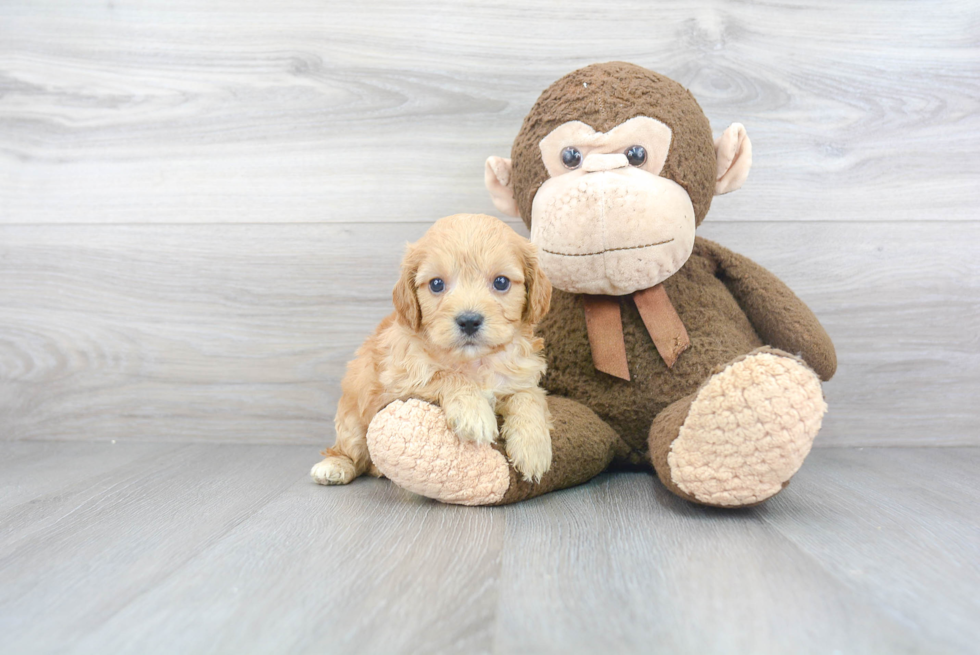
{"type": "Point", "coordinates": [500, 283]}
{"type": "Point", "coordinates": [636, 155]}
{"type": "Point", "coordinates": [571, 158]}
{"type": "Point", "coordinates": [436, 285]}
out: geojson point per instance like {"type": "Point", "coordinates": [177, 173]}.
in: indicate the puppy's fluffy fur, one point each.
{"type": "Point", "coordinates": [424, 349]}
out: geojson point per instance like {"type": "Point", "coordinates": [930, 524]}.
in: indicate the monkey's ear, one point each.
{"type": "Point", "coordinates": [405, 295]}
{"type": "Point", "coordinates": [500, 185]}
{"type": "Point", "coordinates": [733, 155]}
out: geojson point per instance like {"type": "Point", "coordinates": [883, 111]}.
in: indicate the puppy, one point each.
{"type": "Point", "coordinates": [461, 336]}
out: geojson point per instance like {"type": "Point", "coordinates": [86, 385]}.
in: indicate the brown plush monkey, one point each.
{"type": "Point", "coordinates": [663, 348]}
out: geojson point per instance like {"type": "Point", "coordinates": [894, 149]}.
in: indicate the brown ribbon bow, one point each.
{"type": "Point", "coordinates": [604, 322]}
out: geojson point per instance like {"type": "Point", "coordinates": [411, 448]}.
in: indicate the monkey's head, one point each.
{"type": "Point", "coordinates": [612, 171]}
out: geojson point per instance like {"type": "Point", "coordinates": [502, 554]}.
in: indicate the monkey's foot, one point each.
{"type": "Point", "coordinates": [747, 431]}
{"type": "Point", "coordinates": [412, 445]}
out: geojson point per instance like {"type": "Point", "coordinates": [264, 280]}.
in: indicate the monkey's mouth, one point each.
{"type": "Point", "coordinates": [602, 252]}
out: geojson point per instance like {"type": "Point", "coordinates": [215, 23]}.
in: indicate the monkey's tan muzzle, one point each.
{"type": "Point", "coordinates": [611, 229]}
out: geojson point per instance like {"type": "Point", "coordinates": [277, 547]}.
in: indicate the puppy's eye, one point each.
{"type": "Point", "coordinates": [500, 283]}
{"type": "Point", "coordinates": [571, 158]}
{"type": "Point", "coordinates": [636, 155]}
{"type": "Point", "coordinates": [436, 285]}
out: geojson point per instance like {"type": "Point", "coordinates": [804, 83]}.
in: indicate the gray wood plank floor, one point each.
{"type": "Point", "coordinates": [201, 548]}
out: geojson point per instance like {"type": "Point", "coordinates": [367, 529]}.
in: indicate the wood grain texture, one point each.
{"type": "Point", "coordinates": [217, 548]}
{"type": "Point", "coordinates": [30, 471]}
{"type": "Point", "coordinates": [303, 111]}
{"type": "Point", "coordinates": [910, 507]}
{"type": "Point", "coordinates": [95, 545]}
{"type": "Point", "coordinates": [241, 333]}
{"type": "Point", "coordinates": [202, 208]}
{"type": "Point", "coordinates": [848, 559]}
{"type": "Point", "coordinates": [666, 576]}
{"type": "Point", "coordinates": [370, 569]}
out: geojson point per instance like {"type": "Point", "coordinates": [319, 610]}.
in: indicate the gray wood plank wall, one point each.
{"type": "Point", "coordinates": [202, 209]}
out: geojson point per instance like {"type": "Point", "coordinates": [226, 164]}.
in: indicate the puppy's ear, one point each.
{"type": "Point", "coordinates": [405, 295]}
{"type": "Point", "coordinates": [538, 286]}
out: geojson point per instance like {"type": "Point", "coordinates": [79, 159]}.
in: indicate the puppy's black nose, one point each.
{"type": "Point", "coordinates": [469, 322]}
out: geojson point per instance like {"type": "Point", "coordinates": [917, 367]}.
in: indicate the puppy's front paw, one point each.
{"type": "Point", "coordinates": [528, 445]}
{"type": "Point", "coordinates": [472, 419]}
{"type": "Point", "coordinates": [333, 470]}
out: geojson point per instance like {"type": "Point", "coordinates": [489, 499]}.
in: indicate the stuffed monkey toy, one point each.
{"type": "Point", "coordinates": [663, 349]}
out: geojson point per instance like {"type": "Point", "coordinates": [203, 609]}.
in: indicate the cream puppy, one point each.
{"type": "Point", "coordinates": [461, 336]}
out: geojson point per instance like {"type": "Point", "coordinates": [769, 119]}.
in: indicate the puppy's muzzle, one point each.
{"type": "Point", "coordinates": [469, 323]}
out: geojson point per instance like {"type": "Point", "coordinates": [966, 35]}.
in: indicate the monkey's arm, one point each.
{"type": "Point", "coordinates": [781, 319]}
